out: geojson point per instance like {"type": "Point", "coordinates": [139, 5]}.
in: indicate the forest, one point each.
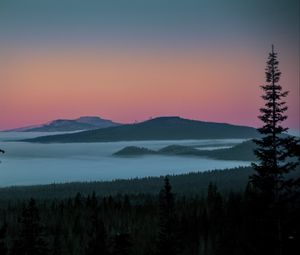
{"type": "Point", "coordinates": [163, 223]}
{"type": "Point", "coordinates": [185, 184]}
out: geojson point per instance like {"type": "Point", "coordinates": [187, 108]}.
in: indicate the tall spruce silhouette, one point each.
{"type": "Point", "coordinates": [167, 243]}
{"type": "Point", "coordinates": [274, 148]}
{"type": "Point", "coordinates": [275, 152]}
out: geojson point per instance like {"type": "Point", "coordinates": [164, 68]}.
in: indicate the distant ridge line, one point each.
{"type": "Point", "coordinates": [160, 128]}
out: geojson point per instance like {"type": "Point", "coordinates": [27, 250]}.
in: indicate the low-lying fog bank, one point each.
{"type": "Point", "coordinates": [27, 163]}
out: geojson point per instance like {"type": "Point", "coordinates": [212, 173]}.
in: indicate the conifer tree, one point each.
{"type": "Point", "coordinates": [31, 237]}
{"type": "Point", "coordinates": [167, 243]}
{"type": "Point", "coordinates": [3, 246]}
{"type": "Point", "coordinates": [275, 152]}
{"type": "Point", "coordinates": [274, 148]}
{"type": "Point", "coordinates": [97, 237]}
{"type": "Point", "coordinates": [2, 151]}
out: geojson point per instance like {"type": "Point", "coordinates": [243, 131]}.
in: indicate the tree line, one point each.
{"type": "Point", "coordinates": [233, 223]}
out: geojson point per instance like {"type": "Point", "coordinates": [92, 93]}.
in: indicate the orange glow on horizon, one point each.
{"type": "Point", "coordinates": [129, 86]}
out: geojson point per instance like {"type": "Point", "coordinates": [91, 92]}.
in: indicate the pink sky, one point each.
{"type": "Point", "coordinates": [128, 86]}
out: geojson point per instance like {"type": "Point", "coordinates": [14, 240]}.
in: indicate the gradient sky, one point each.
{"type": "Point", "coordinates": [129, 60]}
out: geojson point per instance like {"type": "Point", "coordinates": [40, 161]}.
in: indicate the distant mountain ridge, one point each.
{"type": "Point", "coordinates": [162, 128]}
{"type": "Point", "coordinates": [243, 151]}
{"type": "Point", "coordinates": [60, 125]}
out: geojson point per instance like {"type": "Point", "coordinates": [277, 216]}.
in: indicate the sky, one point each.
{"type": "Point", "coordinates": [130, 60]}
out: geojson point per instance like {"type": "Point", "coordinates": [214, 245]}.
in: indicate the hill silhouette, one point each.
{"type": "Point", "coordinates": [65, 125]}
{"type": "Point", "coordinates": [242, 151]}
{"type": "Point", "coordinates": [162, 128]}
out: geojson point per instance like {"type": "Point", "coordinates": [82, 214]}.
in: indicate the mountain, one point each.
{"type": "Point", "coordinates": [242, 151]}
{"type": "Point", "coordinates": [60, 125]}
{"type": "Point", "coordinates": [134, 151]}
{"type": "Point", "coordinates": [162, 128]}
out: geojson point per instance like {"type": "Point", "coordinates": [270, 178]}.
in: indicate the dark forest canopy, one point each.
{"type": "Point", "coordinates": [189, 184]}
{"type": "Point", "coordinates": [161, 222]}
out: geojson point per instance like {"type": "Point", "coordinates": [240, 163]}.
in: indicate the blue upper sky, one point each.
{"type": "Point", "coordinates": [149, 22]}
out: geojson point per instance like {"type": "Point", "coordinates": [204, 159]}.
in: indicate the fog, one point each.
{"type": "Point", "coordinates": [31, 163]}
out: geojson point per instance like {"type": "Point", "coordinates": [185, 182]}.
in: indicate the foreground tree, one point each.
{"type": "Point", "coordinates": [274, 148]}
{"type": "Point", "coordinates": [276, 159]}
